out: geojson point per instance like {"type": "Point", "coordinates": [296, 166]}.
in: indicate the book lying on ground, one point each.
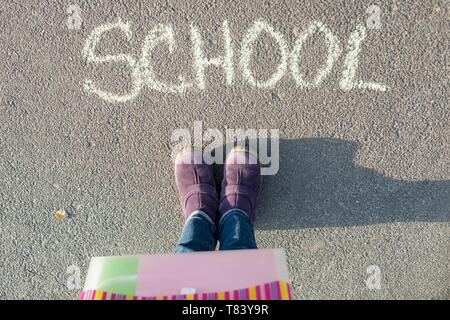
{"type": "Point", "coordinates": [258, 274]}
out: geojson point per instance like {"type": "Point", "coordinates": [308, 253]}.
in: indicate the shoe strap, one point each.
{"type": "Point", "coordinates": [202, 188]}
{"type": "Point", "coordinates": [242, 190]}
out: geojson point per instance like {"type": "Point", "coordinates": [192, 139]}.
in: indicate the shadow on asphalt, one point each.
{"type": "Point", "coordinates": [319, 185]}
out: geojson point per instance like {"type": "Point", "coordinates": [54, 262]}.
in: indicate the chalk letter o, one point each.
{"type": "Point", "coordinates": [246, 53]}
{"type": "Point", "coordinates": [334, 51]}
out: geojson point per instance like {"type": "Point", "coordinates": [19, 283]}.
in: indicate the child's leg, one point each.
{"type": "Point", "coordinates": [199, 201]}
{"type": "Point", "coordinates": [198, 234]}
{"type": "Point", "coordinates": [240, 187]}
{"type": "Point", "coordinates": [236, 231]}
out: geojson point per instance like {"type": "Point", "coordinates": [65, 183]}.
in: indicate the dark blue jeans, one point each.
{"type": "Point", "coordinates": [234, 231]}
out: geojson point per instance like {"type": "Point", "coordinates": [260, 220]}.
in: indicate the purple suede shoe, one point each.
{"type": "Point", "coordinates": [196, 184]}
{"type": "Point", "coordinates": [241, 183]}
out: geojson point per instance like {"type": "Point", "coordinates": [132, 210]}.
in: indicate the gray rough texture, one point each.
{"type": "Point", "coordinates": [364, 176]}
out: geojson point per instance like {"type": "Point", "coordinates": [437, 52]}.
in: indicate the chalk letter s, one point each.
{"type": "Point", "coordinates": [89, 54]}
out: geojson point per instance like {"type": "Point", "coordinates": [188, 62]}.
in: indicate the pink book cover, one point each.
{"type": "Point", "coordinates": [238, 274]}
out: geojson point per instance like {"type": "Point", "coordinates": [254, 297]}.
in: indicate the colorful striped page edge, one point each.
{"type": "Point", "coordinates": [277, 290]}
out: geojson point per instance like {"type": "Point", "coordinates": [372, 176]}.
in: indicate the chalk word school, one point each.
{"type": "Point", "coordinates": [142, 73]}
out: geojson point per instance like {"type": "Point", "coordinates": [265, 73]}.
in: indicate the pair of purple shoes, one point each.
{"type": "Point", "coordinates": [196, 184]}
